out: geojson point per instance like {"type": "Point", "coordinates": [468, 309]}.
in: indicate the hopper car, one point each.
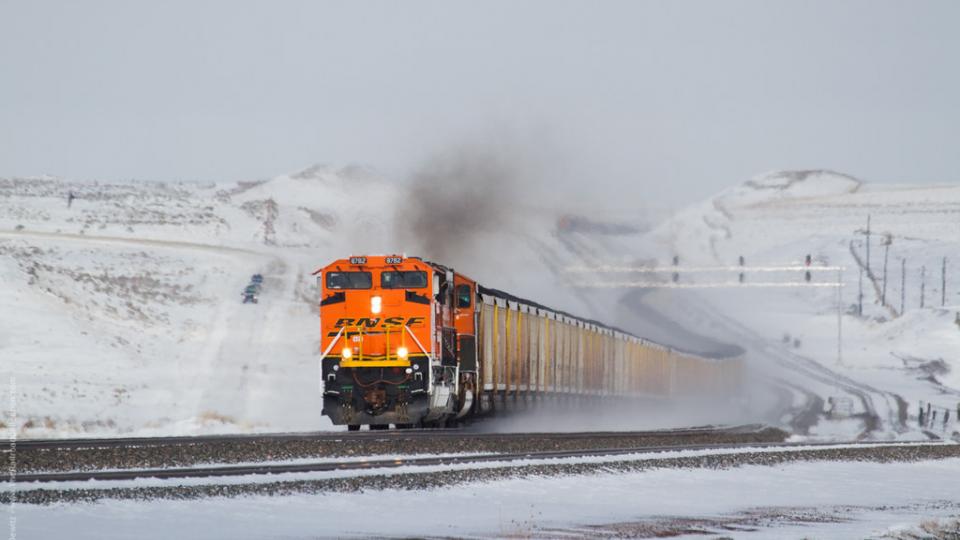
{"type": "Point", "coordinates": [408, 342]}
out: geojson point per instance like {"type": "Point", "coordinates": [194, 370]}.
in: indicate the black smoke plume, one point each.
{"type": "Point", "coordinates": [454, 198]}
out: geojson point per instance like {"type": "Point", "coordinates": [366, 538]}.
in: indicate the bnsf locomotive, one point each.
{"type": "Point", "coordinates": [412, 343]}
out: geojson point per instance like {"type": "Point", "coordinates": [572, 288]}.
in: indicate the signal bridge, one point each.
{"type": "Point", "coordinates": [650, 274]}
{"type": "Point", "coordinates": [670, 279]}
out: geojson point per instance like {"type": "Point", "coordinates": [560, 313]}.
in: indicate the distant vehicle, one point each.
{"type": "Point", "coordinates": [251, 294]}
{"type": "Point", "coordinates": [839, 407]}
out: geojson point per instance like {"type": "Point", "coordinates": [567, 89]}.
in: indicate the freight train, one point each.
{"type": "Point", "coordinates": [413, 343]}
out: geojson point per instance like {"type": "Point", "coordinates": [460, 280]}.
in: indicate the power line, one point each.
{"type": "Point", "coordinates": [694, 269]}
{"type": "Point", "coordinates": [718, 285]}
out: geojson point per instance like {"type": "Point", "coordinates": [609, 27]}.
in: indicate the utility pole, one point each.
{"type": "Point", "coordinates": [943, 283]}
{"type": "Point", "coordinates": [887, 240]}
{"type": "Point", "coordinates": [903, 285]}
{"type": "Point", "coordinates": [860, 294]}
{"type": "Point", "coordinates": [839, 317]}
{"type": "Point", "coordinates": [868, 243]}
{"type": "Point", "coordinates": [923, 284]}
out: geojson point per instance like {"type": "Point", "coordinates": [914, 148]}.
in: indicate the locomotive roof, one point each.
{"type": "Point", "coordinates": [721, 350]}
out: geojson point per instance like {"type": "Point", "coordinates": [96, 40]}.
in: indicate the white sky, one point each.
{"type": "Point", "coordinates": [660, 101]}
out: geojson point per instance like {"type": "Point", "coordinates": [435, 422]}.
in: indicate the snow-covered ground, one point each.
{"type": "Point", "coordinates": [122, 314]}
{"type": "Point", "coordinates": [885, 361]}
{"type": "Point", "coordinates": [822, 500]}
{"type": "Point", "coordinates": [375, 469]}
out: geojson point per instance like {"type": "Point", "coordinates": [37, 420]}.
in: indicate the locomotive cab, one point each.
{"type": "Point", "coordinates": [412, 343]}
{"type": "Point", "coordinates": [395, 334]}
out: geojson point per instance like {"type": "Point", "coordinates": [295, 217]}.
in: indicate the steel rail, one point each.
{"type": "Point", "coordinates": [329, 466]}
{"type": "Point", "coordinates": [363, 436]}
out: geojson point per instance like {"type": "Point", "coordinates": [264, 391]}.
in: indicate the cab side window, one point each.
{"type": "Point", "coordinates": [464, 295]}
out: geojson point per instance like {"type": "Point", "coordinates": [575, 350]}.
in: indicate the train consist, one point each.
{"type": "Point", "coordinates": [413, 343]}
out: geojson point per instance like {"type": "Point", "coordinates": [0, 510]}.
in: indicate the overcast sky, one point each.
{"type": "Point", "coordinates": [659, 100]}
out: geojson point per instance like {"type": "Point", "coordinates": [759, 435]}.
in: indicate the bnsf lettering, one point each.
{"type": "Point", "coordinates": [372, 323]}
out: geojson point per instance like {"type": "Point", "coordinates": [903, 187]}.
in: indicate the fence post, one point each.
{"type": "Point", "coordinates": [741, 268]}
{"type": "Point", "coordinates": [676, 263]}
{"type": "Point", "coordinates": [920, 416]}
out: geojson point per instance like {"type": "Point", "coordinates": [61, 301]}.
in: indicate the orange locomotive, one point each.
{"type": "Point", "coordinates": [409, 342]}
{"type": "Point", "coordinates": [398, 336]}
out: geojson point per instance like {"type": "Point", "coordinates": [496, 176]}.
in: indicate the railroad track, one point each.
{"type": "Point", "coordinates": [71, 455]}
{"type": "Point", "coordinates": [450, 460]}
{"type": "Point", "coordinates": [810, 368]}
{"type": "Point", "coordinates": [362, 436]}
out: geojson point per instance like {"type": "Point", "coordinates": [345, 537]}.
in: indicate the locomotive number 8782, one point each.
{"type": "Point", "coordinates": [413, 343]}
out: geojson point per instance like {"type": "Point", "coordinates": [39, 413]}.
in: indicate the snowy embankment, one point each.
{"type": "Point", "coordinates": [799, 500]}
{"type": "Point", "coordinates": [867, 372]}
{"type": "Point", "coordinates": [122, 312]}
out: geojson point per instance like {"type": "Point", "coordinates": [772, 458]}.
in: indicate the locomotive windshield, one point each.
{"type": "Point", "coordinates": [464, 292]}
{"type": "Point", "coordinates": [349, 280]}
{"type": "Point", "coordinates": [413, 279]}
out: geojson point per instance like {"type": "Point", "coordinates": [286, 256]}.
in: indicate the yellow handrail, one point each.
{"type": "Point", "coordinates": [387, 361]}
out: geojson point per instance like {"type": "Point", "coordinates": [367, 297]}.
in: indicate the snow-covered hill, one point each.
{"type": "Point", "coordinates": [122, 313]}
{"type": "Point", "coordinates": [883, 362]}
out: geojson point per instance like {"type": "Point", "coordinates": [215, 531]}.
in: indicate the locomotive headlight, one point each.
{"type": "Point", "coordinates": [347, 353]}
{"type": "Point", "coordinates": [408, 371]}
{"type": "Point", "coordinates": [375, 304]}
{"type": "Point", "coordinates": [402, 352]}
{"type": "Point", "coordinates": [336, 367]}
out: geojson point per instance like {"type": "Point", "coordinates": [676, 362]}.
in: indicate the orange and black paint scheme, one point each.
{"type": "Point", "coordinates": [398, 341]}
{"type": "Point", "coordinates": [413, 343]}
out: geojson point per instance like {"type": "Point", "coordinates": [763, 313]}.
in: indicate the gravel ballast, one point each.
{"type": "Point", "coordinates": [247, 449]}
{"type": "Point", "coordinates": [442, 478]}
